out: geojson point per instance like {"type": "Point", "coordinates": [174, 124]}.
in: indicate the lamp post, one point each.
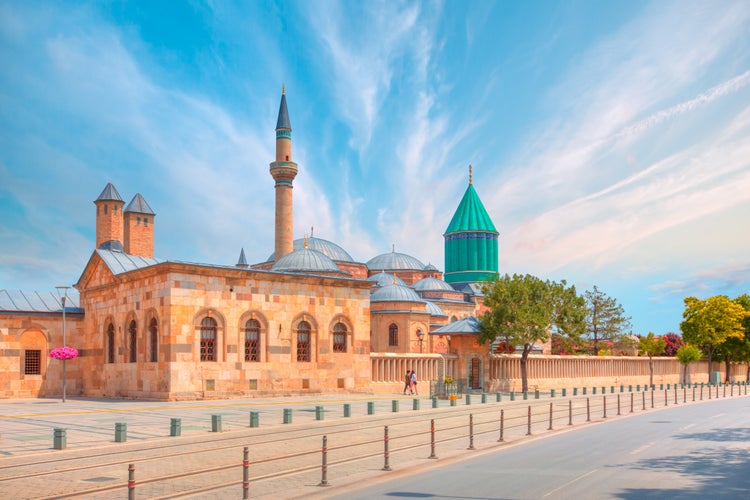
{"type": "Point", "coordinates": [63, 298]}
{"type": "Point", "coordinates": [420, 336]}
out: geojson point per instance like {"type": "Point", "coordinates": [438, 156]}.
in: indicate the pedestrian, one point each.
{"type": "Point", "coordinates": [414, 382]}
{"type": "Point", "coordinates": [407, 382]}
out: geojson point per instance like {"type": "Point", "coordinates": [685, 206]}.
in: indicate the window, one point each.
{"type": "Point", "coordinates": [106, 208]}
{"type": "Point", "coordinates": [153, 332]}
{"type": "Point", "coordinates": [145, 221]}
{"type": "Point", "coordinates": [32, 362]}
{"type": "Point", "coordinates": [114, 209]}
{"type": "Point", "coordinates": [208, 339]}
{"type": "Point", "coordinates": [137, 221]}
{"type": "Point", "coordinates": [339, 337]}
{"type": "Point", "coordinates": [111, 343]}
{"type": "Point", "coordinates": [132, 342]}
{"type": "Point", "coordinates": [303, 341]}
{"type": "Point", "coordinates": [393, 335]}
{"type": "Point", "coordinates": [252, 340]}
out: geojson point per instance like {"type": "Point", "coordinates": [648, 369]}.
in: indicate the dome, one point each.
{"type": "Point", "coordinates": [432, 284]}
{"type": "Point", "coordinates": [393, 261]}
{"type": "Point", "coordinates": [383, 279]}
{"type": "Point", "coordinates": [395, 293]}
{"type": "Point", "coordinates": [434, 309]}
{"type": "Point", "coordinates": [327, 248]}
{"type": "Point", "coordinates": [430, 267]}
{"type": "Point", "coordinates": [306, 260]}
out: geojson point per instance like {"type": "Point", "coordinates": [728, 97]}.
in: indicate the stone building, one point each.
{"type": "Point", "coordinates": [306, 320]}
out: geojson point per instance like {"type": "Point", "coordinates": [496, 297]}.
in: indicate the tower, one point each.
{"type": "Point", "coordinates": [139, 228]}
{"type": "Point", "coordinates": [470, 241]}
{"type": "Point", "coordinates": [109, 219]}
{"type": "Point", "coordinates": [283, 171]}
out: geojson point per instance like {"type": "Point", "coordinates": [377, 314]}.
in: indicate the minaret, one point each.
{"type": "Point", "coordinates": [139, 228]}
{"type": "Point", "coordinates": [283, 170]}
{"type": "Point", "coordinates": [109, 219]}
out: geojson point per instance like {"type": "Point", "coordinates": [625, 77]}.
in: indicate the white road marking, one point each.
{"type": "Point", "coordinates": [570, 482]}
{"type": "Point", "coordinates": [688, 426]}
{"type": "Point", "coordinates": [642, 448]}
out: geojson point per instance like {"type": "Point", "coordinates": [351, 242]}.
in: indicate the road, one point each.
{"type": "Point", "coordinates": [691, 451]}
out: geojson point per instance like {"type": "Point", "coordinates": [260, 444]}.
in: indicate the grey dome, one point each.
{"type": "Point", "coordinates": [395, 293]}
{"type": "Point", "coordinates": [434, 309]}
{"type": "Point", "coordinates": [306, 261]}
{"type": "Point", "coordinates": [430, 267]}
{"type": "Point", "coordinates": [384, 279]}
{"type": "Point", "coordinates": [432, 284]}
{"type": "Point", "coordinates": [328, 248]}
{"type": "Point", "coordinates": [392, 261]}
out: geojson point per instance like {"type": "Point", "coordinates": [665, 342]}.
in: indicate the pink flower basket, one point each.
{"type": "Point", "coordinates": [64, 353]}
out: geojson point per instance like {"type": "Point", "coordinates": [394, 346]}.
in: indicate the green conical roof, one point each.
{"type": "Point", "coordinates": [471, 215]}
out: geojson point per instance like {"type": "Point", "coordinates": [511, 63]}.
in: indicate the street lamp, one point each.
{"type": "Point", "coordinates": [63, 292]}
{"type": "Point", "coordinates": [420, 336]}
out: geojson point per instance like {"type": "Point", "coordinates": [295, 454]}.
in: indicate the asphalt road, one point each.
{"type": "Point", "coordinates": [693, 451]}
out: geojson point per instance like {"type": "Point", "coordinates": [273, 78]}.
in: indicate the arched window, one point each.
{"type": "Point", "coordinates": [208, 339]}
{"type": "Point", "coordinates": [339, 337]}
{"type": "Point", "coordinates": [111, 343]}
{"type": "Point", "coordinates": [153, 337]}
{"type": "Point", "coordinates": [132, 342]}
{"type": "Point", "coordinates": [303, 341]}
{"type": "Point", "coordinates": [393, 335]}
{"type": "Point", "coordinates": [252, 340]}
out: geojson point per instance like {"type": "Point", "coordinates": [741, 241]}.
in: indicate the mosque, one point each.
{"type": "Point", "coordinates": [309, 319]}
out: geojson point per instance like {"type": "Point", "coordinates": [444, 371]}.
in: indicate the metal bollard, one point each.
{"type": "Point", "coordinates": [502, 425]}
{"type": "Point", "coordinates": [630, 388]}
{"type": "Point", "coordinates": [564, 392]}
{"type": "Point", "coordinates": [175, 427]}
{"type": "Point", "coordinates": [394, 406]}
{"type": "Point", "coordinates": [675, 394]}
{"type": "Point", "coordinates": [468, 399]}
{"type": "Point", "coordinates": [453, 401]}
{"type": "Point", "coordinates": [525, 395]}
{"type": "Point", "coordinates": [575, 391]}
{"type": "Point", "coordinates": [287, 415]}
{"type": "Point", "coordinates": [552, 393]}
{"type": "Point", "coordinates": [693, 393]}
{"type": "Point", "coordinates": [415, 404]}
{"type": "Point", "coordinates": [498, 397]}
{"type": "Point", "coordinates": [643, 394]}
{"type": "Point", "coordinates": [618, 404]}
{"type": "Point", "coordinates": [536, 393]}
{"type": "Point", "coordinates": [59, 438]}
{"type": "Point", "coordinates": [605, 406]}
{"type": "Point", "coordinates": [666, 397]}
{"type": "Point", "coordinates": [583, 390]}
{"type": "Point", "coordinates": [652, 399]}
{"type": "Point", "coordinates": [512, 395]}
{"type": "Point", "coordinates": [528, 423]}
{"type": "Point", "coordinates": [319, 415]}
{"type": "Point", "coordinates": [622, 388]}
{"type": "Point", "coordinates": [638, 387]}
{"type": "Point", "coordinates": [588, 410]}
{"type": "Point", "coordinates": [631, 402]}
{"type": "Point", "coordinates": [254, 419]}
{"type": "Point", "coordinates": [121, 432]}
{"type": "Point", "coordinates": [434, 402]}
{"type": "Point", "coordinates": [593, 390]}
{"type": "Point", "coordinates": [471, 432]}
{"type": "Point", "coordinates": [386, 464]}
{"type": "Point", "coordinates": [725, 391]}
{"type": "Point", "coordinates": [131, 482]}
{"type": "Point", "coordinates": [324, 465]}
{"type": "Point", "coordinates": [215, 423]}
{"type": "Point", "coordinates": [432, 439]}
{"type": "Point", "coordinates": [371, 407]}
{"type": "Point", "coordinates": [484, 397]}
{"type": "Point", "coordinates": [347, 410]}
{"type": "Point", "coordinates": [245, 473]}
{"type": "Point", "coordinates": [570, 412]}
{"type": "Point", "coordinates": [701, 392]}
{"type": "Point", "coordinates": [550, 417]}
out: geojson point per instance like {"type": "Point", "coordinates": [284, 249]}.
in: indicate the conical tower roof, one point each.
{"type": "Point", "coordinates": [138, 205]}
{"type": "Point", "coordinates": [471, 215]}
{"type": "Point", "coordinates": [109, 193]}
{"type": "Point", "coordinates": [283, 121]}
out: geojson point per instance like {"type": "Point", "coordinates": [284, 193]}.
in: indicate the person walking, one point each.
{"type": "Point", "coordinates": [407, 382]}
{"type": "Point", "coordinates": [414, 382]}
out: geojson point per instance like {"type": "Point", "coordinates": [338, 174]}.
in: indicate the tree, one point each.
{"type": "Point", "coordinates": [605, 318]}
{"type": "Point", "coordinates": [685, 355]}
{"type": "Point", "coordinates": [709, 323]}
{"type": "Point", "coordinates": [674, 342]}
{"type": "Point", "coordinates": [651, 346]}
{"type": "Point", "coordinates": [524, 310]}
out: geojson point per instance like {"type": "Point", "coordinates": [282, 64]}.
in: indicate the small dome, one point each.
{"type": "Point", "coordinates": [430, 267]}
{"type": "Point", "coordinates": [113, 245]}
{"type": "Point", "coordinates": [328, 248]}
{"type": "Point", "coordinates": [306, 261]}
{"type": "Point", "coordinates": [393, 261]}
{"type": "Point", "coordinates": [432, 284]}
{"type": "Point", "coordinates": [384, 279]}
{"type": "Point", "coordinates": [395, 293]}
{"type": "Point", "coordinates": [434, 309]}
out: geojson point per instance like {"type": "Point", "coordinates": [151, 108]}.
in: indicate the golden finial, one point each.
{"type": "Point", "coordinates": [394, 279]}
{"type": "Point", "coordinates": [470, 175]}
{"type": "Point", "coordinates": [305, 241]}
{"type": "Point", "coordinates": [282, 89]}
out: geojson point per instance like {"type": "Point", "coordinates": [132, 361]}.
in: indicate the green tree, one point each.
{"type": "Point", "coordinates": [709, 323]}
{"type": "Point", "coordinates": [651, 346]}
{"type": "Point", "coordinates": [685, 355]}
{"type": "Point", "coordinates": [524, 310]}
{"type": "Point", "coordinates": [605, 318]}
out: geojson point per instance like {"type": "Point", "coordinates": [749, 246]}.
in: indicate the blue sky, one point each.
{"type": "Point", "coordinates": [610, 140]}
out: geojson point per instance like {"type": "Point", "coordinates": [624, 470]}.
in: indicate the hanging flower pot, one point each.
{"type": "Point", "coordinates": [64, 353]}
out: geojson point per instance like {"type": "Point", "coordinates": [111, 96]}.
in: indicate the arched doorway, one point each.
{"type": "Point", "coordinates": [476, 373]}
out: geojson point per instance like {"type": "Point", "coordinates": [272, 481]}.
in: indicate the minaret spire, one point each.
{"type": "Point", "coordinates": [470, 175]}
{"type": "Point", "coordinates": [283, 171]}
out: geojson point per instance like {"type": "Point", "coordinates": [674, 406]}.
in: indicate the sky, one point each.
{"type": "Point", "coordinates": [610, 141]}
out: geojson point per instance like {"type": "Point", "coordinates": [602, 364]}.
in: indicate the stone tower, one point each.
{"type": "Point", "coordinates": [470, 241]}
{"type": "Point", "coordinates": [109, 219]}
{"type": "Point", "coordinates": [283, 170]}
{"type": "Point", "coordinates": [139, 228]}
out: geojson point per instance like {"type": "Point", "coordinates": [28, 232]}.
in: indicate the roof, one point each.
{"type": "Point", "coordinates": [432, 284]}
{"type": "Point", "coordinates": [109, 194]}
{"type": "Point", "coordinates": [395, 293]}
{"type": "Point", "coordinates": [139, 206]}
{"type": "Point", "coordinates": [471, 215]}
{"type": "Point", "coordinates": [467, 325]}
{"type": "Point", "coordinates": [283, 120]}
{"type": "Point", "coordinates": [242, 261]}
{"type": "Point", "coordinates": [306, 260]}
{"type": "Point", "coordinates": [434, 309]}
{"type": "Point", "coordinates": [328, 248]}
{"type": "Point", "coordinates": [383, 279]}
{"type": "Point", "coordinates": [394, 261]}
{"type": "Point", "coordinates": [44, 302]}
{"type": "Point", "coordinates": [120, 262]}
